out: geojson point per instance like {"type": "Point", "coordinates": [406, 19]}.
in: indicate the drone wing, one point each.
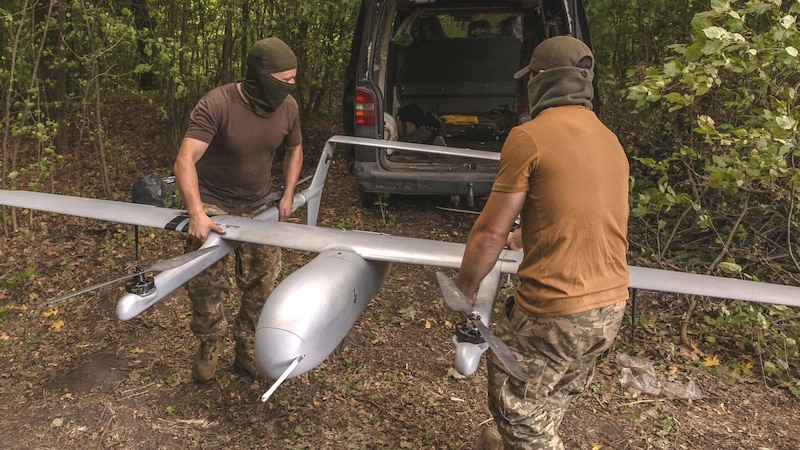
{"type": "Point", "coordinates": [92, 208]}
{"type": "Point", "coordinates": [380, 247]}
{"type": "Point", "coordinates": [711, 286]}
{"type": "Point", "coordinates": [370, 246]}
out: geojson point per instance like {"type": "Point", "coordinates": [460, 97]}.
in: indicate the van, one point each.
{"type": "Point", "coordinates": [441, 72]}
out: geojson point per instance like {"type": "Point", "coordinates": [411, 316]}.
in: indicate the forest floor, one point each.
{"type": "Point", "coordinates": [72, 376]}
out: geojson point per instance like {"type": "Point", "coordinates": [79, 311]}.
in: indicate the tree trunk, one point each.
{"type": "Point", "coordinates": [141, 19]}
{"type": "Point", "coordinates": [60, 75]}
{"type": "Point", "coordinates": [224, 73]}
{"type": "Point", "coordinates": [97, 128]}
{"type": "Point", "coordinates": [244, 44]}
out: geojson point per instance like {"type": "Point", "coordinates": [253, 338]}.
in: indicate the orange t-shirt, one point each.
{"type": "Point", "coordinates": [575, 217]}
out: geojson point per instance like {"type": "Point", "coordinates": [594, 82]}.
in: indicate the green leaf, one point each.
{"type": "Point", "coordinates": [730, 267]}
{"type": "Point", "coordinates": [715, 32]}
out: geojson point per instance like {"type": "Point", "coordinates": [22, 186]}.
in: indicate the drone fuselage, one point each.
{"type": "Point", "coordinates": [312, 310]}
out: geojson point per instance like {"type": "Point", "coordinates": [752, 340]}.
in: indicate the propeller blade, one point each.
{"type": "Point", "coordinates": [85, 290]}
{"type": "Point", "coordinates": [501, 350]}
{"type": "Point", "coordinates": [453, 296]}
{"type": "Point", "coordinates": [158, 266]}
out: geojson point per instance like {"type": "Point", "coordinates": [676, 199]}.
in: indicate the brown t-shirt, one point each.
{"type": "Point", "coordinates": [575, 216]}
{"type": "Point", "coordinates": [235, 171]}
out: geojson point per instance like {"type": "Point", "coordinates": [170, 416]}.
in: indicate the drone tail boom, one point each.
{"type": "Point", "coordinates": [131, 305]}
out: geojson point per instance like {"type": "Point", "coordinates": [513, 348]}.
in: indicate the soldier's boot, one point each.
{"type": "Point", "coordinates": [205, 361]}
{"type": "Point", "coordinates": [490, 439]}
{"type": "Point", "coordinates": [245, 361]}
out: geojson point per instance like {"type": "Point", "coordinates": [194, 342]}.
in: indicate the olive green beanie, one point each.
{"type": "Point", "coordinates": [265, 92]}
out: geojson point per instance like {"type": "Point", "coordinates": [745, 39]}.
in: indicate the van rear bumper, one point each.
{"type": "Point", "coordinates": [371, 177]}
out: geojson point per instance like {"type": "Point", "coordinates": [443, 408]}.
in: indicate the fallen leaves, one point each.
{"type": "Point", "coordinates": [711, 361]}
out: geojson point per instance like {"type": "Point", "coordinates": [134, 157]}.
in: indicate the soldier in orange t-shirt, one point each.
{"type": "Point", "coordinates": [566, 175]}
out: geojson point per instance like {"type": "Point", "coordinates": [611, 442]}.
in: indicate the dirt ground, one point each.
{"type": "Point", "coordinates": [73, 376]}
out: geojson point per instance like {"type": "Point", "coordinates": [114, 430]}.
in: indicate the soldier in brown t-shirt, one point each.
{"type": "Point", "coordinates": [566, 175]}
{"type": "Point", "coordinates": [224, 166]}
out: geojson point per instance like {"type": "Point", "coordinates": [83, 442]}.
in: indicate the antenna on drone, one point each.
{"type": "Point", "coordinates": [282, 378]}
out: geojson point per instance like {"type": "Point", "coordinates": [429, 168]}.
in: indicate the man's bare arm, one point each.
{"type": "Point", "coordinates": [487, 239]}
{"type": "Point", "coordinates": [292, 164]}
{"type": "Point", "coordinates": [190, 151]}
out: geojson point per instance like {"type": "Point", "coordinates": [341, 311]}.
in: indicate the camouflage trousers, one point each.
{"type": "Point", "coordinates": [256, 269]}
{"type": "Point", "coordinates": [559, 356]}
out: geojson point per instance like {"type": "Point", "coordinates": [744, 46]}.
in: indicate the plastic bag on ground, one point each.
{"type": "Point", "coordinates": [639, 374]}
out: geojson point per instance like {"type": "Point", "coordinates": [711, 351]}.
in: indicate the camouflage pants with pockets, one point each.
{"type": "Point", "coordinates": [559, 356]}
{"type": "Point", "coordinates": [256, 270]}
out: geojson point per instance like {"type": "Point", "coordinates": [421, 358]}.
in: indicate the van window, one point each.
{"type": "Point", "coordinates": [450, 24]}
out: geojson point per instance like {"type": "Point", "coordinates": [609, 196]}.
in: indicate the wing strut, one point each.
{"type": "Point", "coordinates": [633, 314]}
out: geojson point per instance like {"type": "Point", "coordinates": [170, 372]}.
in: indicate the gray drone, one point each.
{"type": "Point", "coordinates": [310, 312]}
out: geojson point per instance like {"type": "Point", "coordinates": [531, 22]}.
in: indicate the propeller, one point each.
{"type": "Point", "coordinates": [158, 266]}
{"type": "Point", "coordinates": [457, 301]}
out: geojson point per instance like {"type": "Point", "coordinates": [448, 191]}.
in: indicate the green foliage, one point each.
{"type": "Point", "coordinates": [666, 425]}
{"type": "Point", "coordinates": [716, 182]}
{"type": "Point", "coordinates": [49, 67]}
{"type": "Point", "coordinates": [734, 88]}
{"type": "Point", "coordinates": [16, 278]}
{"type": "Point", "coordinates": [183, 49]}
{"type": "Point", "coordinates": [345, 223]}
{"type": "Point", "coordinates": [621, 43]}
{"type": "Point", "coordinates": [4, 310]}
{"type": "Point", "coordinates": [200, 54]}
{"type": "Point", "coordinates": [770, 332]}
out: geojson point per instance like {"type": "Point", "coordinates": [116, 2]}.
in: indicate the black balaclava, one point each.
{"type": "Point", "coordinates": [265, 92]}
{"type": "Point", "coordinates": [561, 82]}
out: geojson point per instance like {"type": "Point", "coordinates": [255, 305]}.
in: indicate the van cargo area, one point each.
{"type": "Point", "coordinates": [441, 73]}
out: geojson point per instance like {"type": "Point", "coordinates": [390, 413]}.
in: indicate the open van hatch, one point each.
{"type": "Point", "coordinates": [450, 82]}
{"type": "Point", "coordinates": [441, 73]}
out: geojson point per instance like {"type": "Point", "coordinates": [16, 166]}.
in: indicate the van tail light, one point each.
{"type": "Point", "coordinates": [365, 108]}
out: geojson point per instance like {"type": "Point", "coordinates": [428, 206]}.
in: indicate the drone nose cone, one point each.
{"type": "Point", "coordinates": [275, 349]}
